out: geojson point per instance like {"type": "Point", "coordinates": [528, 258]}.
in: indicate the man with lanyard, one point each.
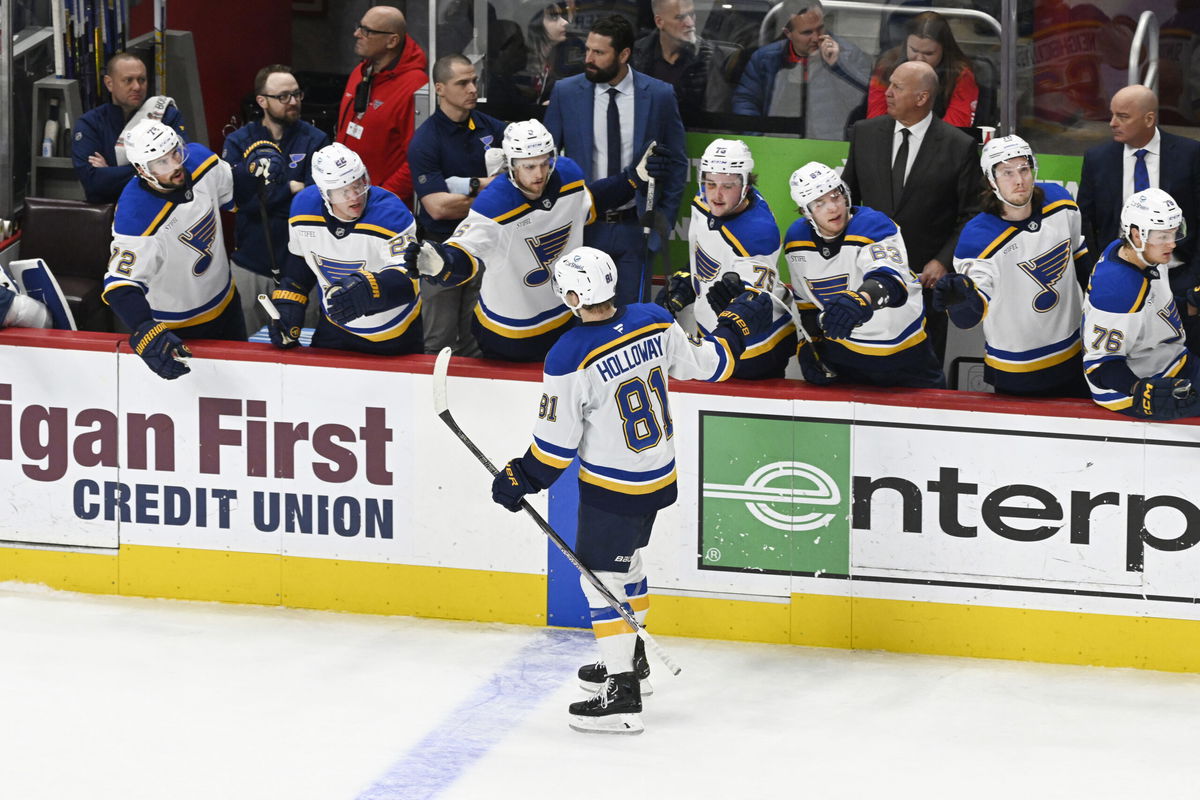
{"type": "Point", "coordinates": [453, 156]}
{"type": "Point", "coordinates": [98, 149]}
{"type": "Point", "coordinates": [276, 154]}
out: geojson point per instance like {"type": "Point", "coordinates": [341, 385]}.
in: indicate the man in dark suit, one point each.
{"type": "Point", "coordinates": [922, 173]}
{"type": "Point", "coordinates": [1139, 157]}
{"type": "Point", "coordinates": [611, 101]}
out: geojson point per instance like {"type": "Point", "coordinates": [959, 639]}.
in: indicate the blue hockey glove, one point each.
{"type": "Point", "coordinates": [722, 293]}
{"type": "Point", "coordinates": [845, 312]}
{"type": "Point", "coordinates": [264, 161]}
{"type": "Point", "coordinates": [952, 289]}
{"type": "Point", "coordinates": [812, 367]}
{"type": "Point", "coordinates": [354, 296]}
{"type": "Point", "coordinates": [291, 304]}
{"type": "Point", "coordinates": [511, 484]}
{"type": "Point", "coordinates": [678, 294]}
{"type": "Point", "coordinates": [750, 314]}
{"type": "Point", "coordinates": [1192, 296]}
{"type": "Point", "coordinates": [1162, 398]}
{"type": "Point", "coordinates": [163, 351]}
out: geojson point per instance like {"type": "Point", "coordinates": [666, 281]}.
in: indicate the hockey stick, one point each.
{"type": "Point", "coordinates": [266, 223]}
{"type": "Point", "coordinates": [802, 332]}
{"type": "Point", "coordinates": [273, 313]}
{"type": "Point", "coordinates": [441, 407]}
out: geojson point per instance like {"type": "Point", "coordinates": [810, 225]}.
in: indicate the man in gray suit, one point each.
{"type": "Point", "coordinates": [921, 172]}
{"type": "Point", "coordinates": [604, 120]}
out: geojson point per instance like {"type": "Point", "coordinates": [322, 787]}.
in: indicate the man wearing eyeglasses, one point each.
{"type": "Point", "coordinates": [271, 160]}
{"type": "Point", "coordinates": [376, 115]}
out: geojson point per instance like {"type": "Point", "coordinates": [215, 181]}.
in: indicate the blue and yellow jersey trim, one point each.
{"type": "Point", "coordinates": [625, 481]}
{"type": "Point", "coordinates": [394, 327]}
{"type": "Point", "coordinates": [552, 455]}
{"type": "Point", "coordinates": [911, 336]}
{"type": "Point", "coordinates": [653, 329]}
{"type": "Point", "coordinates": [1039, 358]}
{"type": "Point", "coordinates": [511, 328]}
{"type": "Point", "coordinates": [1117, 401]}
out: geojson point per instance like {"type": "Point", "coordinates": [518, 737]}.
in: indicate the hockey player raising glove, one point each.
{"type": "Point", "coordinates": [265, 162]}
{"type": "Point", "coordinates": [163, 351]}
{"type": "Point", "coordinates": [511, 484]}
{"type": "Point", "coordinates": [749, 314]}
{"type": "Point", "coordinates": [654, 164]}
{"type": "Point", "coordinates": [678, 294]}
{"type": "Point", "coordinates": [425, 260]}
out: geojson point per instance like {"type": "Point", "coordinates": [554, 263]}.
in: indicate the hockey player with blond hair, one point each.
{"type": "Point", "coordinates": [605, 401]}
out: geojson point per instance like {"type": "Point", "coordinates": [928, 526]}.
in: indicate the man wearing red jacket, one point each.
{"type": "Point", "coordinates": [376, 115]}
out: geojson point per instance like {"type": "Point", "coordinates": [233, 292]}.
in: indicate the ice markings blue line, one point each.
{"type": "Point", "coordinates": [485, 718]}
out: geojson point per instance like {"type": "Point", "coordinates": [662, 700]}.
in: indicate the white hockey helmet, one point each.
{"type": "Point", "coordinates": [154, 149]}
{"type": "Point", "coordinates": [997, 151]}
{"type": "Point", "coordinates": [589, 273]}
{"type": "Point", "coordinates": [727, 157]}
{"type": "Point", "coordinates": [527, 139]}
{"type": "Point", "coordinates": [812, 182]}
{"type": "Point", "coordinates": [339, 174]}
{"type": "Point", "coordinates": [1152, 211]}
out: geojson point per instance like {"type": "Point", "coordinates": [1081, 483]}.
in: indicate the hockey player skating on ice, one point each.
{"type": "Point", "coordinates": [518, 227]}
{"type": "Point", "coordinates": [605, 400]}
{"type": "Point", "coordinates": [1134, 358]}
{"type": "Point", "coordinates": [1015, 270]}
{"type": "Point", "coordinates": [168, 277]}
{"type": "Point", "coordinates": [733, 230]}
{"type": "Point", "coordinates": [350, 237]}
{"type": "Point", "coordinates": [849, 268]}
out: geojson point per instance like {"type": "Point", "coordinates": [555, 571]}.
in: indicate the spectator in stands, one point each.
{"type": "Point", "coordinates": [552, 53]}
{"type": "Point", "coordinates": [701, 71]}
{"type": "Point", "coordinates": [277, 154]}
{"type": "Point", "coordinates": [453, 156]}
{"type": "Point", "coordinates": [784, 79]}
{"type": "Point", "coordinates": [930, 40]}
{"type": "Point", "coordinates": [376, 115]}
{"type": "Point", "coordinates": [98, 149]}
{"type": "Point", "coordinates": [922, 173]}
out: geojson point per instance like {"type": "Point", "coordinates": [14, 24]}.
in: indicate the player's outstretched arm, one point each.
{"type": "Point", "coordinates": [443, 264]}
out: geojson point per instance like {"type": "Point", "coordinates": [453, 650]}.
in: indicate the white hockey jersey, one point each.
{"type": "Point", "coordinates": [170, 246]}
{"type": "Point", "coordinates": [517, 241]}
{"type": "Point", "coordinates": [1024, 271]}
{"type": "Point", "coordinates": [605, 399]}
{"type": "Point", "coordinates": [1130, 316]}
{"type": "Point", "coordinates": [870, 245]}
{"type": "Point", "coordinates": [748, 244]}
{"type": "Point", "coordinates": [375, 242]}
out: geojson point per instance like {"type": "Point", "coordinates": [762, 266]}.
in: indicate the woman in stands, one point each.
{"type": "Point", "coordinates": [930, 40]}
{"type": "Point", "coordinates": [553, 52]}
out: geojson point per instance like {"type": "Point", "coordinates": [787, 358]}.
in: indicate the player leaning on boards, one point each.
{"type": "Point", "coordinates": [733, 230]}
{"type": "Point", "coordinates": [168, 277]}
{"type": "Point", "coordinates": [875, 332]}
{"type": "Point", "coordinates": [350, 236]}
{"type": "Point", "coordinates": [1134, 356]}
{"type": "Point", "coordinates": [517, 228]}
{"type": "Point", "coordinates": [1014, 269]}
{"type": "Point", "coordinates": [605, 399]}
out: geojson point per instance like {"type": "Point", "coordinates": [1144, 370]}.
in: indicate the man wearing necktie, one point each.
{"type": "Point", "coordinates": [604, 119]}
{"type": "Point", "coordinates": [1140, 157]}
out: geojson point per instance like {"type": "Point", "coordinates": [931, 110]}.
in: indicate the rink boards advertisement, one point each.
{"type": "Point", "coordinates": [934, 522]}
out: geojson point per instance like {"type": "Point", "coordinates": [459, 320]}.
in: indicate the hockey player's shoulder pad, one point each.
{"type": "Point", "coordinates": [500, 201]}
{"type": "Point", "coordinates": [140, 211]}
{"type": "Point", "coordinates": [868, 226]}
{"type": "Point", "coordinates": [199, 160]}
{"type": "Point", "coordinates": [386, 214]}
{"type": "Point", "coordinates": [569, 173]}
{"type": "Point", "coordinates": [754, 232]}
{"type": "Point", "coordinates": [800, 236]}
{"type": "Point", "coordinates": [1056, 196]}
{"type": "Point", "coordinates": [982, 236]}
{"type": "Point", "coordinates": [307, 206]}
{"type": "Point", "coordinates": [1117, 286]}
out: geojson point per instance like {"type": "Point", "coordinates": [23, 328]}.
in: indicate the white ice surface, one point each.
{"type": "Point", "coordinates": [109, 698]}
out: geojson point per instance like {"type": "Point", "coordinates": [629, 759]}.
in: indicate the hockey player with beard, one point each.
{"type": "Point", "coordinates": [733, 230]}
{"type": "Point", "coordinates": [350, 237]}
{"type": "Point", "coordinates": [1134, 358]}
{"type": "Point", "coordinates": [605, 400]}
{"type": "Point", "coordinates": [168, 277]}
{"type": "Point", "coordinates": [518, 227]}
{"type": "Point", "coordinates": [874, 332]}
{"type": "Point", "coordinates": [1014, 269]}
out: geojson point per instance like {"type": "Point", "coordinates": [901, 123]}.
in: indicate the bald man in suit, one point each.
{"type": "Point", "coordinates": [921, 172]}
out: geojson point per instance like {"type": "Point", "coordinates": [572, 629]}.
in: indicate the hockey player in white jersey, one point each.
{"type": "Point", "coordinates": [350, 237]}
{"type": "Point", "coordinates": [518, 227]}
{"type": "Point", "coordinates": [605, 400]}
{"type": "Point", "coordinates": [1015, 267]}
{"type": "Point", "coordinates": [1135, 359]}
{"type": "Point", "coordinates": [168, 276]}
{"type": "Point", "coordinates": [850, 271]}
{"type": "Point", "coordinates": [733, 230]}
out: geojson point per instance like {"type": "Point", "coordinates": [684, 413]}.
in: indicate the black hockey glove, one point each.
{"type": "Point", "coordinates": [354, 296]}
{"type": "Point", "coordinates": [678, 294]}
{"type": "Point", "coordinates": [655, 163]}
{"type": "Point", "coordinates": [750, 314]}
{"type": "Point", "coordinates": [424, 259]}
{"type": "Point", "coordinates": [1162, 398]}
{"type": "Point", "coordinates": [264, 161]}
{"type": "Point", "coordinates": [845, 312]}
{"type": "Point", "coordinates": [812, 367]}
{"type": "Point", "coordinates": [1192, 296]}
{"type": "Point", "coordinates": [952, 289]}
{"type": "Point", "coordinates": [511, 484]}
{"type": "Point", "coordinates": [163, 351]}
{"type": "Point", "coordinates": [722, 293]}
{"type": "Point", "coordinates": [290, 303]}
